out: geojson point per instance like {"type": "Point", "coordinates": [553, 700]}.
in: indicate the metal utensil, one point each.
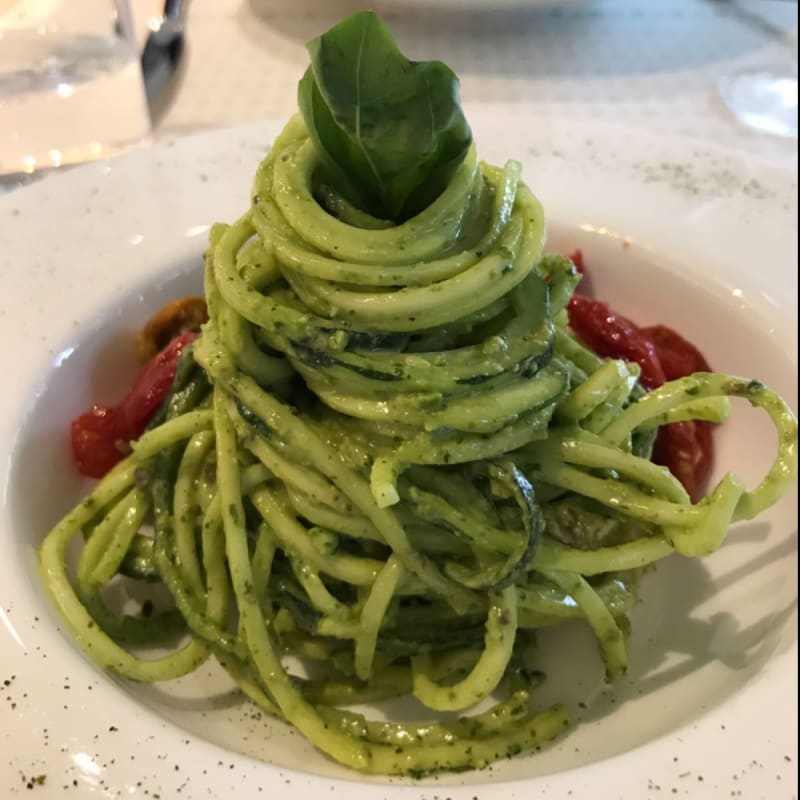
{"type": "Point", "coordinates": [163, 49]}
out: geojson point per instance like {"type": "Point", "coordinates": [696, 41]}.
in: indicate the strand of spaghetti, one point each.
{"type": "Point", "coordinates": [615, 402]}
{"type": "Point", "coordinates": [186, 556]}
{"type": "Point", "coordinates": [192, 606]}
{"type": "Point", "coordinates": [319, 596]}
{"type": "Point", "coordinates": [103, 650]}
{"type": "Point", "coordinates": [501, 629]}
{"type": "Point", "coordinates": [159, 629]}
{"type": "Point", "coordinates": [456, 490]}
{"type": "Point", "coordinates": [703, 539]}
{"type": "Point", "coordinates": [372, 614]}
{"type": "Point", "coordinates": [583, 450]}
{"type": "Point", "coordinates": [424, 449]}
{"type": "Point", "coordinates": [301, 477]}
{"type": "Point", "coordinates": [481, 535]}
{"type": "Point", "coordinates": [354, 525]}
{"type": "Point", "coordinates": [237, 336]}
{"type": "Point", "coordinates": [418, 239]}
{"type": "Point", "coordinates": [506, 354]}
{"type": "Point", "coordinates": [709, 384]}
{"type": "Point", "coordinates": [596, 390]}
{"type": "Point", "coordinates": [617, 495]}
{"type": "Point", "coordinates": [292, 536]}
{"type": "Point", "coordinates": [261, 310]}
{"type": "Point", "coordinates": [483, 413]}
{"type": "Point", "coordinates": [710, 409]}
{"type": "Point", "coordinates": [218, 589]}
{"type": "Point", "coordinates": [501, 716]}
{"type": "Point", "coordinates": [262, 561]}
{"type": "Point", "coordinates": [295, 253]}
{"type": "Point", "coordinates": [609, 636]}
{"type": "Point", "coordinates": [551, 606]}
{"type": "Point", "coordinates": [109, 540]}
{"type": "Point", "coordinates": [419, 307]}
{"type": "Point", "coordinates": [631, 555]}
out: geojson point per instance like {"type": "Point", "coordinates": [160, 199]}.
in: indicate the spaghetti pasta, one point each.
{"type": "Point", "coordinates": [380, 453]}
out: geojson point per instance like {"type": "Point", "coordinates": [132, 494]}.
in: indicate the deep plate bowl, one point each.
{"type": "Point", "coordinates": [671, 235]}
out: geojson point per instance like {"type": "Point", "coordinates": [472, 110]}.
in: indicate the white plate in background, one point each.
{"type": "Point", "coordinates": [676, 233]}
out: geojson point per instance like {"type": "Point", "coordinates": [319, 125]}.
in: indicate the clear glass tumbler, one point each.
{"type": "Point", "coordinates": [71, 85]}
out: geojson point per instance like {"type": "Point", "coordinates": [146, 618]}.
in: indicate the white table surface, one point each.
{"type": "Point", "coordinates": [651, 64]}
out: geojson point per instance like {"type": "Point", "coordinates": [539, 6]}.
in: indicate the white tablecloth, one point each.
{"type": "Point", "coordinates": [652, 64]}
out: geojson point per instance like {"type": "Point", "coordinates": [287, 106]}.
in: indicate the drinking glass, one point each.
{"type": "Point", "coordinates": [71, 86]}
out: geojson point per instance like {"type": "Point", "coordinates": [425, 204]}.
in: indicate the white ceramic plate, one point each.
{"type": "Point", "coordinates": [676, 233]}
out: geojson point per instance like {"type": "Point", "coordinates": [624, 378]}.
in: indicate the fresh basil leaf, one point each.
{"type": "Point", "coordinates": [390, 132]}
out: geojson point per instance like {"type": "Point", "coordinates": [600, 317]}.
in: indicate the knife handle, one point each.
{"type": "Point", "coordinates": [173, 9]}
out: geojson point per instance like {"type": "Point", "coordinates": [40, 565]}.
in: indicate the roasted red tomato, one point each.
{"type": "Point", "coordinates": [611, 335]}
{"type": "Point", "coordinates": [678, 357]}
{"type": "Point", "coordinates": [685, 448]}
{"type": "Point", "coordinates": [101, 437]}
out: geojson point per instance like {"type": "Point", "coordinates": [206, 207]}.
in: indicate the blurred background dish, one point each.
{"type": "Point", "coordinates": [70, 83]}
{"type": "Point", "coordinates": [390, 5]}
{"type": "Point", "coordinates": [651, 65]}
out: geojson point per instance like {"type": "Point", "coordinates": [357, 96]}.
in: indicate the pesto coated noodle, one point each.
{"type": "Point", "coordinates": [390, 457]}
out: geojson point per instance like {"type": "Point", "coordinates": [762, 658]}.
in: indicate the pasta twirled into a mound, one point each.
{"type": "Point", "coordinates": [389, 456]}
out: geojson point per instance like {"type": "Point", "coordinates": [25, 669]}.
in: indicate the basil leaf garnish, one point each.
{"type": "Point", "coordinates": [390, 132]}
